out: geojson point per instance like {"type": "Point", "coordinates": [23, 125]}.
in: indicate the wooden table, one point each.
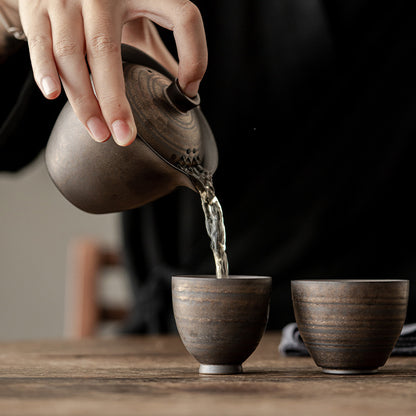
{"type": "Point", "coordinates": [154, 375]}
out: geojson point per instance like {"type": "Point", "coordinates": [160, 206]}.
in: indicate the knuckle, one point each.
{"type": "Point", "coordinates": [101, 44]}
{"type": "Point", "coordinates": [188, 13]}
{"type": "Point", "coordinates": [111, 103]}
{"type": "Point", "coordinates": [38, 41]}
{"type": "Point", "coordinates": [197, 69]}
{"type": "Point", "coordinates": [65, 47]}
{"type": "Point", "coordinates": [114, 107]}
{"type": "Point", "coordinates": [82, 103]}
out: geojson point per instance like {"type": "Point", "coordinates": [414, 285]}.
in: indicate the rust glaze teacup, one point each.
{"type": "Point", "coordinates": [221, 321]}
{"type": "Point", "coordinates": [350, 326]}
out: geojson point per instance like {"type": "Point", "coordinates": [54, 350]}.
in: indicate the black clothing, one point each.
{"type": "Point", "coordinates": [313, 107]}
{"type": "Point", "coordinates": [26, 116]}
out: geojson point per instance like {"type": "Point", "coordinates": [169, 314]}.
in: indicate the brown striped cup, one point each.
{"type": "Point", "coordinates": [350, 326]}
{"type": "Point", "coordinates": [221, 321]}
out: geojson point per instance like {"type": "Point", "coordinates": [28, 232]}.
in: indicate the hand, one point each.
{"type": "Point", "coordinates": [62, 33]}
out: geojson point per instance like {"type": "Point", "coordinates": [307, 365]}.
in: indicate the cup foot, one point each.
{"type": "Point", "coordinates": [347, 371]}
{"type": "Point", "coordinates": [220, 369]}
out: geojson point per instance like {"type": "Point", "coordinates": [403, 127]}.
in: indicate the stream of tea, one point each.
{"type": "Point", "coordinates": [214, 219]}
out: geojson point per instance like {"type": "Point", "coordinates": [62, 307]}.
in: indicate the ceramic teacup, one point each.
{"type": "Point", "coordinates": [350, 326]}
{"type": "Point", "coordinates": [221, 321]}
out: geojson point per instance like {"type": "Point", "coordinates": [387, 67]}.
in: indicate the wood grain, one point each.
{"type": "Point", "coordinates": [154, 375]}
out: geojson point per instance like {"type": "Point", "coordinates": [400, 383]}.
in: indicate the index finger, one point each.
{"type": "Point", "coordinates": [184, 19]}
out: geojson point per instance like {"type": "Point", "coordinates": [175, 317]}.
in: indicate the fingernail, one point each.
{"type": "Point", "coordinates": [49, 85]}
{"type": "Point", "coordinates": [98, 129]}
{"type": "Point", "coordinates": [191, 89]}
{"type": "Point", "coordinates": [122, 133]}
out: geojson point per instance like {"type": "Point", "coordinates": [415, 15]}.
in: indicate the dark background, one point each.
{"type": "Point", "coordinates": [313, 106]}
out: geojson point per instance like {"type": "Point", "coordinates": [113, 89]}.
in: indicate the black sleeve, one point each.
{"type": "Point", "coordinates": [26, 117]}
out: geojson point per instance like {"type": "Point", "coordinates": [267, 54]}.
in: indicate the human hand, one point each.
{"type": "Point", "coordinates": [62, 33]}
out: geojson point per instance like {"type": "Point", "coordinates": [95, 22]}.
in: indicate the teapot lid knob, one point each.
{"type": "Point", "coordinates": [179, 99]}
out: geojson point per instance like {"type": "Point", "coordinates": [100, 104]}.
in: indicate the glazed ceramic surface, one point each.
{"type": "Point", "coordinates": [221, 321]}
{"type": "Point", "coordinates": [350, 326]}
{"type": "Point", "coordinates": [173, 136]}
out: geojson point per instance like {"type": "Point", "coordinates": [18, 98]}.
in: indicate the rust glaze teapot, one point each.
{"type": "Point", "coordinates": [172, 136]}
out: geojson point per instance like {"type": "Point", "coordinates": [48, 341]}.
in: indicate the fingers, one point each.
{"type": "Point", "coordinates": [57, 50]}
{"type": "Point", "coordinates": [192, 49]}
{"type": "Point", "coordinates": [102, 28]}
{"type": "Point", "coordinates": [41, 54]}
{"type": "Point", "coordinates": [69, 54]}
{"type": "Point", "coordinates": [61, 33]}
{"type": "Point", "coordinates": [143, 34]}
{"type": "Point", "coordinates": [184, 19]}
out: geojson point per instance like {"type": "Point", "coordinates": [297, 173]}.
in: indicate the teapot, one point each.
{"type": "Point", "coordinates": [172, 136]}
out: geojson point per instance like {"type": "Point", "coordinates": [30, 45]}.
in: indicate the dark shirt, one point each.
{"type": "Point", "coordinates": [26, 117]}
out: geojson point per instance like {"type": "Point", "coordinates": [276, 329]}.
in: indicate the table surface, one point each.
{"type": "Point", "coordinates": [154, 375]}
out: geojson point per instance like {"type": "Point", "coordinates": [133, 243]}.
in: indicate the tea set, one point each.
{"type": "Point", "coordinates": [349, 326]}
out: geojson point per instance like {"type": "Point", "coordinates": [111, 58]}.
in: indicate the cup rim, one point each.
{"type": "Point", "coordinates": [356, 280]}
{"type": "Point", "coordinates": [214, 277]}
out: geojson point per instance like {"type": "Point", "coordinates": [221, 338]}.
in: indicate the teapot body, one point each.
{"type": "Point", "coordinates": [105, 177]}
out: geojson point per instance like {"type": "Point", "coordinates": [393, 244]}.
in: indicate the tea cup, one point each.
{"type": "Point", "coordinates": [350, 326]}
{"type": "Point", "coordinates": [221, 321]}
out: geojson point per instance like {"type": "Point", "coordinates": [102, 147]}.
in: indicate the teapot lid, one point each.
{"type": "Point", "coordinates": [168, 121]}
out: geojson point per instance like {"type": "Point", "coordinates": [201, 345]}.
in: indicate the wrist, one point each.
{"type": "Point", "coordinates": [10, 19]}
{"type": "Point", "coordinates": [11, 33]}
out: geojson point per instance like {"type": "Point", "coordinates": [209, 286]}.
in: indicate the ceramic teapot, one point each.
{"type": "Point", "coordinates": [172, 136]}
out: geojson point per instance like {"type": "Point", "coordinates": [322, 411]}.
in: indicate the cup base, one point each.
{"type": "Point", "coordinates": [220, 369]}
{"type": "Point", "coordinates": [348, 371]}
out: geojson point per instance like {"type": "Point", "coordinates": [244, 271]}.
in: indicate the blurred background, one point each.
{"type": "Point", "coordinates": [37, 227]}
